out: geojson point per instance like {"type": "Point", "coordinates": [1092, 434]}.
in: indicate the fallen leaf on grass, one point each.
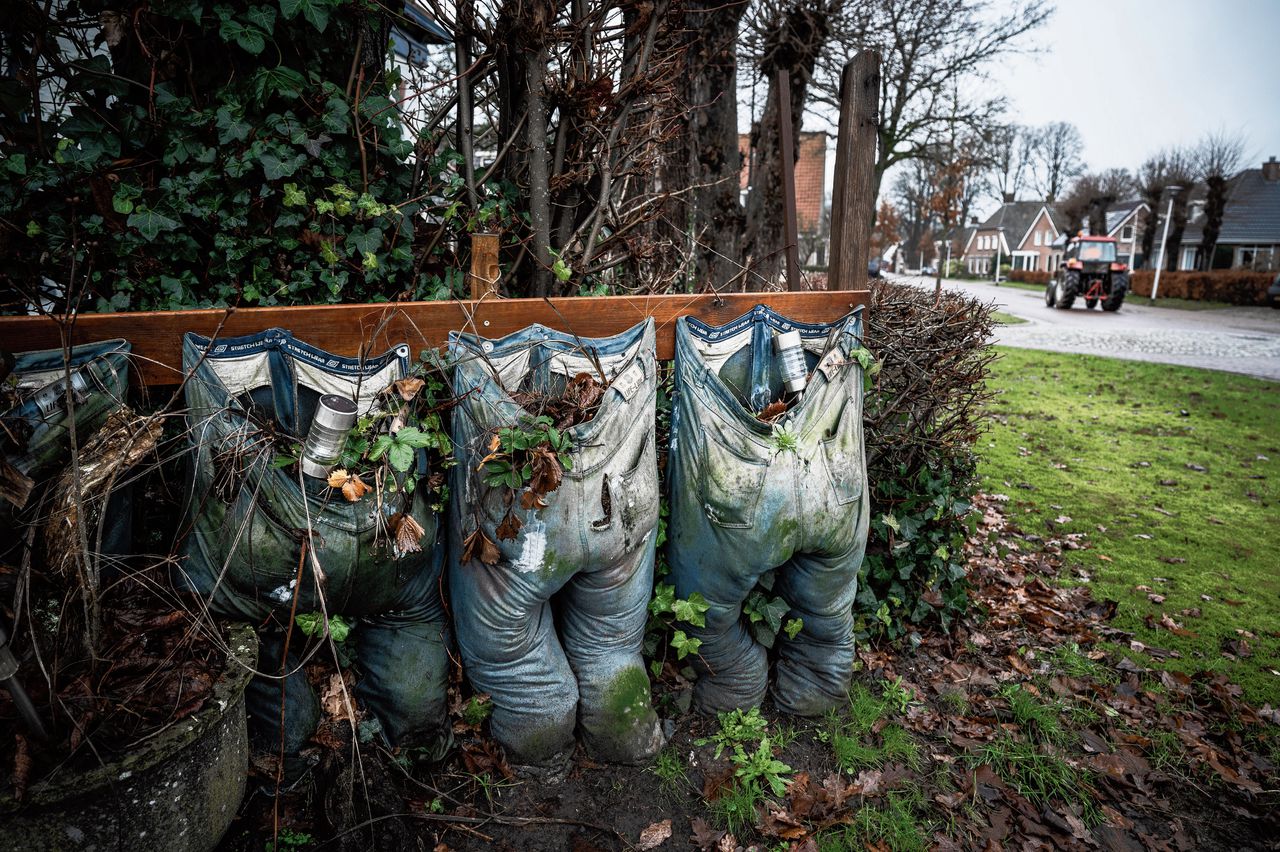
{"type": "Point", "coordinates": [655, 835]}
{"type": "Point", "coordinates": [704, 836]}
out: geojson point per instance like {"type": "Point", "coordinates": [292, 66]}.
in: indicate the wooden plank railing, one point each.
{"type": "Point", "coordinates": [373, 328]}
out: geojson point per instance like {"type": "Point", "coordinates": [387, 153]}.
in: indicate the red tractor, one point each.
{"type": "Point", "coordinates": [1089, 269]}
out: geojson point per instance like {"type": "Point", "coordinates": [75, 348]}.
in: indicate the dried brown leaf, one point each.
{"type": "Point", "coordinates": [478, 546]}
{"type": "Point", "coordinates": [407, 531]}
{"type": "Point", "coordinates": [509, 528]}
{"type": "Point", "coordinates": [338, 477]}
{"type": "Point", "coordinates": [772, 411]}
{"type": "Point", "coordinates": [408, 387]}
{"type": "Point", "coordinates": [654, 835]}
{"type": "Point", "coordinates": [354, 488]}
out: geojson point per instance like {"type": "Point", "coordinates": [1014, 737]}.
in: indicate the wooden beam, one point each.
{"type": "Point", "coordinates": [347, 329]}
{"type": "Point", "coordinates": [786, 134]}
{"type": "Point", "coordinates": [853, 195]}
{"type": "Point", "coordinates": [484, 265]}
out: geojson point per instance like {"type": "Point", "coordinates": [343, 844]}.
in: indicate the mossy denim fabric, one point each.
{"type": "Point", "coordinates": [748, 497]}
{"type": "Point", "coordinates": [47, 437]}
{"type": "Point", "coordinates": [248, 522]}
{"type": "Point", "coordinates": [105, 367]}
{"type": "Point", "coordinates": [578, 567]}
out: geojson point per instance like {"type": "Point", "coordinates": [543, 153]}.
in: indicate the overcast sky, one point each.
{"type": "Point", "coordinates": [1136, 75]}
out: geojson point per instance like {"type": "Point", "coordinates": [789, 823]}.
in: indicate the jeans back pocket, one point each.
{"type": "Point", "coordinates": [730, 480]}
{"type": "Point", "coordinates": [842, 453]}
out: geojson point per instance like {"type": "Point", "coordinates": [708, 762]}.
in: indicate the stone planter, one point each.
{"type": "Point", "coordinates": [179, 791]}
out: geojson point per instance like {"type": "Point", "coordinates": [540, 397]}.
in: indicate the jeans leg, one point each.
{"type": "Point", "coordinates": [403, 653]}
{"type": "Point", "coordinates": [507, 635]}
{"type": "Point", "coordinates": [602, 629]}
{"type": "Point", "coordinates": [263, 699]}
{"type": "Point", "coordinates": [815, 668]}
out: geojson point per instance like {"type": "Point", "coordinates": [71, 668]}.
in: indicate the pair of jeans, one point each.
{"type": "Point", "coordinates": [749, 497]}
{"type": "Point", "coordinates": [100, 382]}
{"type": "Point", "coordinates": [553, 630]}
{"type": "Point", "coordinates": [249, 522]}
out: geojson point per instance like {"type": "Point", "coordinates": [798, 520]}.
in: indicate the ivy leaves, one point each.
{"type": "Point", "coordinates": [315, 11]}
{"type": "Point", "coordinates": [250, 30]}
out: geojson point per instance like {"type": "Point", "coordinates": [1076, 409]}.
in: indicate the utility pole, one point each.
{"type": "Point", "coordinates": [999, 246]}
{"type": "Point", "coordinates": [1155, 285]}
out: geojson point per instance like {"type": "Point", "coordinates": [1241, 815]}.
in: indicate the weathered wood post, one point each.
{"type": "Point", "coordinates": [484, 274]}
{"type": "Point", "coordinates": [790, 230]}
{"type": "Point", "coordinates": [853, 195]}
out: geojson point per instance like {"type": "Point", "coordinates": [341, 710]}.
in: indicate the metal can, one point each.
{"type": "Point", "coordinates": [790, 351]}
{"type": "Point", "coordinates": [335, 415]}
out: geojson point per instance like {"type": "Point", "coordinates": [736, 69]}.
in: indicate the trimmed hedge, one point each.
{"type": "Point", "coordinates": [1234, 286]}
{"type": "Point", "coordinates": [1028, 277]}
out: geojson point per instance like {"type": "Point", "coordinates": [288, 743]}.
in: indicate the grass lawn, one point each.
{"type": "Point", "coordinates": [1174, 475]}
{"type": "Point", "coordinates": [1006, 319]}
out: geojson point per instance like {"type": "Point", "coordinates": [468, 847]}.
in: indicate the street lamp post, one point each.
{"type": "Point", "coordinates": [999, 246]}
{"type": "Point", "coordinates": [1155, 285]}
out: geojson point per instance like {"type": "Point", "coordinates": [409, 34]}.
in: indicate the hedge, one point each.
{"type": "Point", "coordinates": [1234, 286]}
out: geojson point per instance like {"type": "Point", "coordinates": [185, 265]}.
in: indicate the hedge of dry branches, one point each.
{"type": "Point", "coordinates": [924, 413]}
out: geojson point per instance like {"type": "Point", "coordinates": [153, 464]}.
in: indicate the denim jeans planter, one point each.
{"type": "Point", "coordinates": [248, 522]}
{"type": "Point", "coordinates": [101, 381]}
{"type": "Point", "coordinates": [578, 565]}
{"type": "Point", "coordinates": [99, 385]}
{"type": "Point", "coordinates": [748, 497]}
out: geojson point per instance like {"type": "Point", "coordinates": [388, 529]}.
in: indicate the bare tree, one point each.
{"type": "Point", "coordinates": [1055, 157]}
{"type": "Point", "coordinates": [1216, 160]}
{"type": "Point", "coordinates": [1006, 152]}
{"type": "Point", "coordinates": [784, 36]}
{"type": "Point", "coordinates": [1091, 196]}
{"type": "Point", "coordinates": [930, 49]}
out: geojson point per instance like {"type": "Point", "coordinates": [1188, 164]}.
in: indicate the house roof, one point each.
{"type": "Point", "coordinates": [1121, 210]}
{"type": "Point", "coordinates": [1252, 216]}
{"type": "Point", "coordinates": [413, 31]}
{"type": "Point", "coordinates": [1016, 219]}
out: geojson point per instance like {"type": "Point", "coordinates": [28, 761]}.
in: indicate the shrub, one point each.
{"type": "Point", "coordinates": [1234, 286]}
{"type": "Point", "coordinates": [923, 416]}
{"type": "Point", "coordinates": [1027, 276]}
{"type": "Point", "coordinates": [216, 154]}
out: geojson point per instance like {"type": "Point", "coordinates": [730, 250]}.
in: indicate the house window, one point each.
{"type": "Point", "coordinates": [1048, 238]}
{"type": "Point", "coordinates": [1038, 238]}
{"type": "Point", "coordinates": [1126, 233]}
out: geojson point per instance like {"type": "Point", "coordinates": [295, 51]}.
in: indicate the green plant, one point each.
{"type": "Point", "coordinates": [288, 838]}
{"type": "Point", "coordinates": [313, 623]}
{"type": "Point", "coordinates": [1040, 775]}
{"type": "Point", "coordinates": [897, 696]}
{"type": "Point", "coordinates": [666, 611]}
{"type": "Point", "coordinates": [528, 458]}
{"type": "Point", "coordinates": [476, 710]}
{"type": "Point", "coordinates": [263, 178]}
{"type": "Point", "coordinates": [735, 808]}
{"type": "Point", "coordinates": [1072, 662]}
{"type": "Point", "coordinates": [737, 728]}
{"type": "Point", "coordinates": [765, 613]}
{"type": "Point", "coordinates": [1040, 721]}
{"type": "Point", "coordinates": [761, 766]}
{"type": "Point", "coordinates": [670, 769]}
{"type": "Point", "coordinates": [922, 418]}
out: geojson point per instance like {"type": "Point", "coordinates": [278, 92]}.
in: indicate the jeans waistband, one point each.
{"type": "Point", "coordinates": [692, 370]}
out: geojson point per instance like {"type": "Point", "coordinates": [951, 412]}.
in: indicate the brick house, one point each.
{"type": "Point", "coordinates": [1250, 234]}
{"type": "Point", "coordinates": [1126, 221]}
{"type": "Point", "coordinates": [811, 168]}
{"type": "Point", "coordinates": [1019, 234]}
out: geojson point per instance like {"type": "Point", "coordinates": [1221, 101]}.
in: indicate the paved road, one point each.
{"type": "Point", "coordinates": [1237, 340]}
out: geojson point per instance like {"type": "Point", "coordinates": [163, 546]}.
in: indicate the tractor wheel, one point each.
{"type": "Point", "coordinates": [1091, 303]}
{"type": "Point", "coordinates": [1067, 291]}
{"type": "Point", "coordinates": [1050, 293]}
{"type": "Point", "coordinates": [1112, 303]}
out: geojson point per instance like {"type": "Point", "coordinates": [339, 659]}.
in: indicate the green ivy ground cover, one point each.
{"type": "Point", "coordinates": [1173, 474]}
